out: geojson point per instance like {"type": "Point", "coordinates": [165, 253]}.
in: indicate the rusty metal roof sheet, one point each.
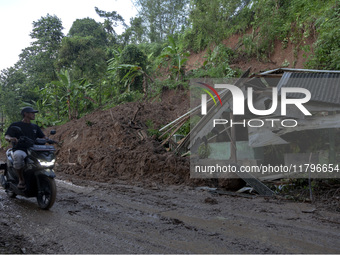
{"type": "Point", "coordinates": [323, 86]}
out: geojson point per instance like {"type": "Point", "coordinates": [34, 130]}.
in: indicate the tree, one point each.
{"type": "Point", "coordinates": [135, 33]}
{"type": "Point", "coordinates": [11, 79]}
{"type": "Point", "coordinates": [83, 52]}
{"type": "Point", "coordinates": [89, 27]}
{"type": "Point", "coordinates": [12, 93]}
{"type": "Point", "coordinates": [48, 33]}
{"type": "Point", "coordinates": [37, 61]}
{"type": "Point", "coordinates": [83, 56]}
{"type": "Point", "coordinates": [10, 105]}
{"type": "Point", "coordinates": [163, 18]}
{"type": "Point", "coordinates": [112, 20]}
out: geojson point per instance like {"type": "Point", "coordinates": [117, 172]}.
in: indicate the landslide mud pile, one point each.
{"type": "Point", "coordinates": [113, 144]}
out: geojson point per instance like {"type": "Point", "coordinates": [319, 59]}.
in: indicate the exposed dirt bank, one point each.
{"type": "Point", "coordinates": [285, 54]}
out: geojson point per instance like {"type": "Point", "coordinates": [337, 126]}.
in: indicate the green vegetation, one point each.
{"type": "Point", "coordinates": [216, 64]}
{"type": "Point", "coordinates": [132, 64]}
{"type": "Point", "coordinates": [327, 47]}
{"type": "Point", "coordinates": [66, 77]}
{"type": "Point", "coordinates": [175, 59]}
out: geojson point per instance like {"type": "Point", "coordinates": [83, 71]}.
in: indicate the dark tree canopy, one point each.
{"type": "Point", "coordinates": [83, 56]}
{"type": "Point", "coordinates": [89, 27]}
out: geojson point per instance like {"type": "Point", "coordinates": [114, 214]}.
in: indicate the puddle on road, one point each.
{"type": "Point", "coordinates": [70, 185]}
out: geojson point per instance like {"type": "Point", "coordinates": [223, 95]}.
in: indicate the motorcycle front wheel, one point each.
{"type": "Point", "coordinates": [47, 193]}
{"type": "Point", "coordinates": [10, 193]}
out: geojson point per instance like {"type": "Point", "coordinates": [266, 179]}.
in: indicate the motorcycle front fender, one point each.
{"type": "Point", "coordinates": [48, 172]}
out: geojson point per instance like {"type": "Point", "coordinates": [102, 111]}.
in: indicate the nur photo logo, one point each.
{"type": "Point", "coordinates": [239, 99]}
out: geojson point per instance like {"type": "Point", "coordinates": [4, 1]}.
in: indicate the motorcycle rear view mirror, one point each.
{"type": "Point", "coordinates": [53, 132]}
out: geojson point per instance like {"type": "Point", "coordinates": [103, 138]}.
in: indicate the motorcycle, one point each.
{"type": "Point", "coordinates": [38, 172]}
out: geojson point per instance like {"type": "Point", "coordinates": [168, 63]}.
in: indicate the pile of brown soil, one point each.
{"type": "Point", "coordinates": [113, 144]}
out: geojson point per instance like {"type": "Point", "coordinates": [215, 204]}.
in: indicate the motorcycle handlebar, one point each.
{"type": "Point", "coordinates": [50, 141]}
{"type": "Point", "coordinates": [40, 140]}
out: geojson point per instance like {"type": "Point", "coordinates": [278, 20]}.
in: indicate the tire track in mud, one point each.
{"type": "Point", "coordinates": [121, 218]}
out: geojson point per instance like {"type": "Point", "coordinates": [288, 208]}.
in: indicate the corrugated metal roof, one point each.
{"type": "Point", "coordinates": [281, 70]}
{"type": "Point", "coordinates": [324, 87]}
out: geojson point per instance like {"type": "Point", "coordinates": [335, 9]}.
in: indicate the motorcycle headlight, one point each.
{"type": "Point", "coordinates": [47, 164]}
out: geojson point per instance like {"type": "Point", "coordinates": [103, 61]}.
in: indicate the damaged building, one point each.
{"type": "Point", "coordinates": [280, 125]}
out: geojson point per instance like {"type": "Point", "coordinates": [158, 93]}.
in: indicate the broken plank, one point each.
{"type": "Point", "coordinates": [178, 123]}
{"type": "Point", "coordinates": [175, 130]}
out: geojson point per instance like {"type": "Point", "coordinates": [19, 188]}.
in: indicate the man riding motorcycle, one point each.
{"type": "Point", "coordinates": [30, 130]}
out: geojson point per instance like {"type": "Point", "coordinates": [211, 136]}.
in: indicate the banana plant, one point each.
{"type": "Point", "coordinates": [177, 58]}
{"type": "Point", "coordinates": [113, 63]}
{"type": "Point", "coordinates": [134, 72]}
{"type": "Point", "coordinates": [72, 94]}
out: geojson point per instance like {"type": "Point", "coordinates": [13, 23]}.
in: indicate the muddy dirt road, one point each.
{"type": "Point", "coordinates": [119, 218]}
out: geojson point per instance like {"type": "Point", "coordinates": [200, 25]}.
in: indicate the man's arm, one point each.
{"type": "Point", "coordinates": [40, 133]}
{"type": "Point", "coordinates": [11, 139]}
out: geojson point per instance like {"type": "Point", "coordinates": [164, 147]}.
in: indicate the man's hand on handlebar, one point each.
{"type": "Point", "coordinates": [50, 141]}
